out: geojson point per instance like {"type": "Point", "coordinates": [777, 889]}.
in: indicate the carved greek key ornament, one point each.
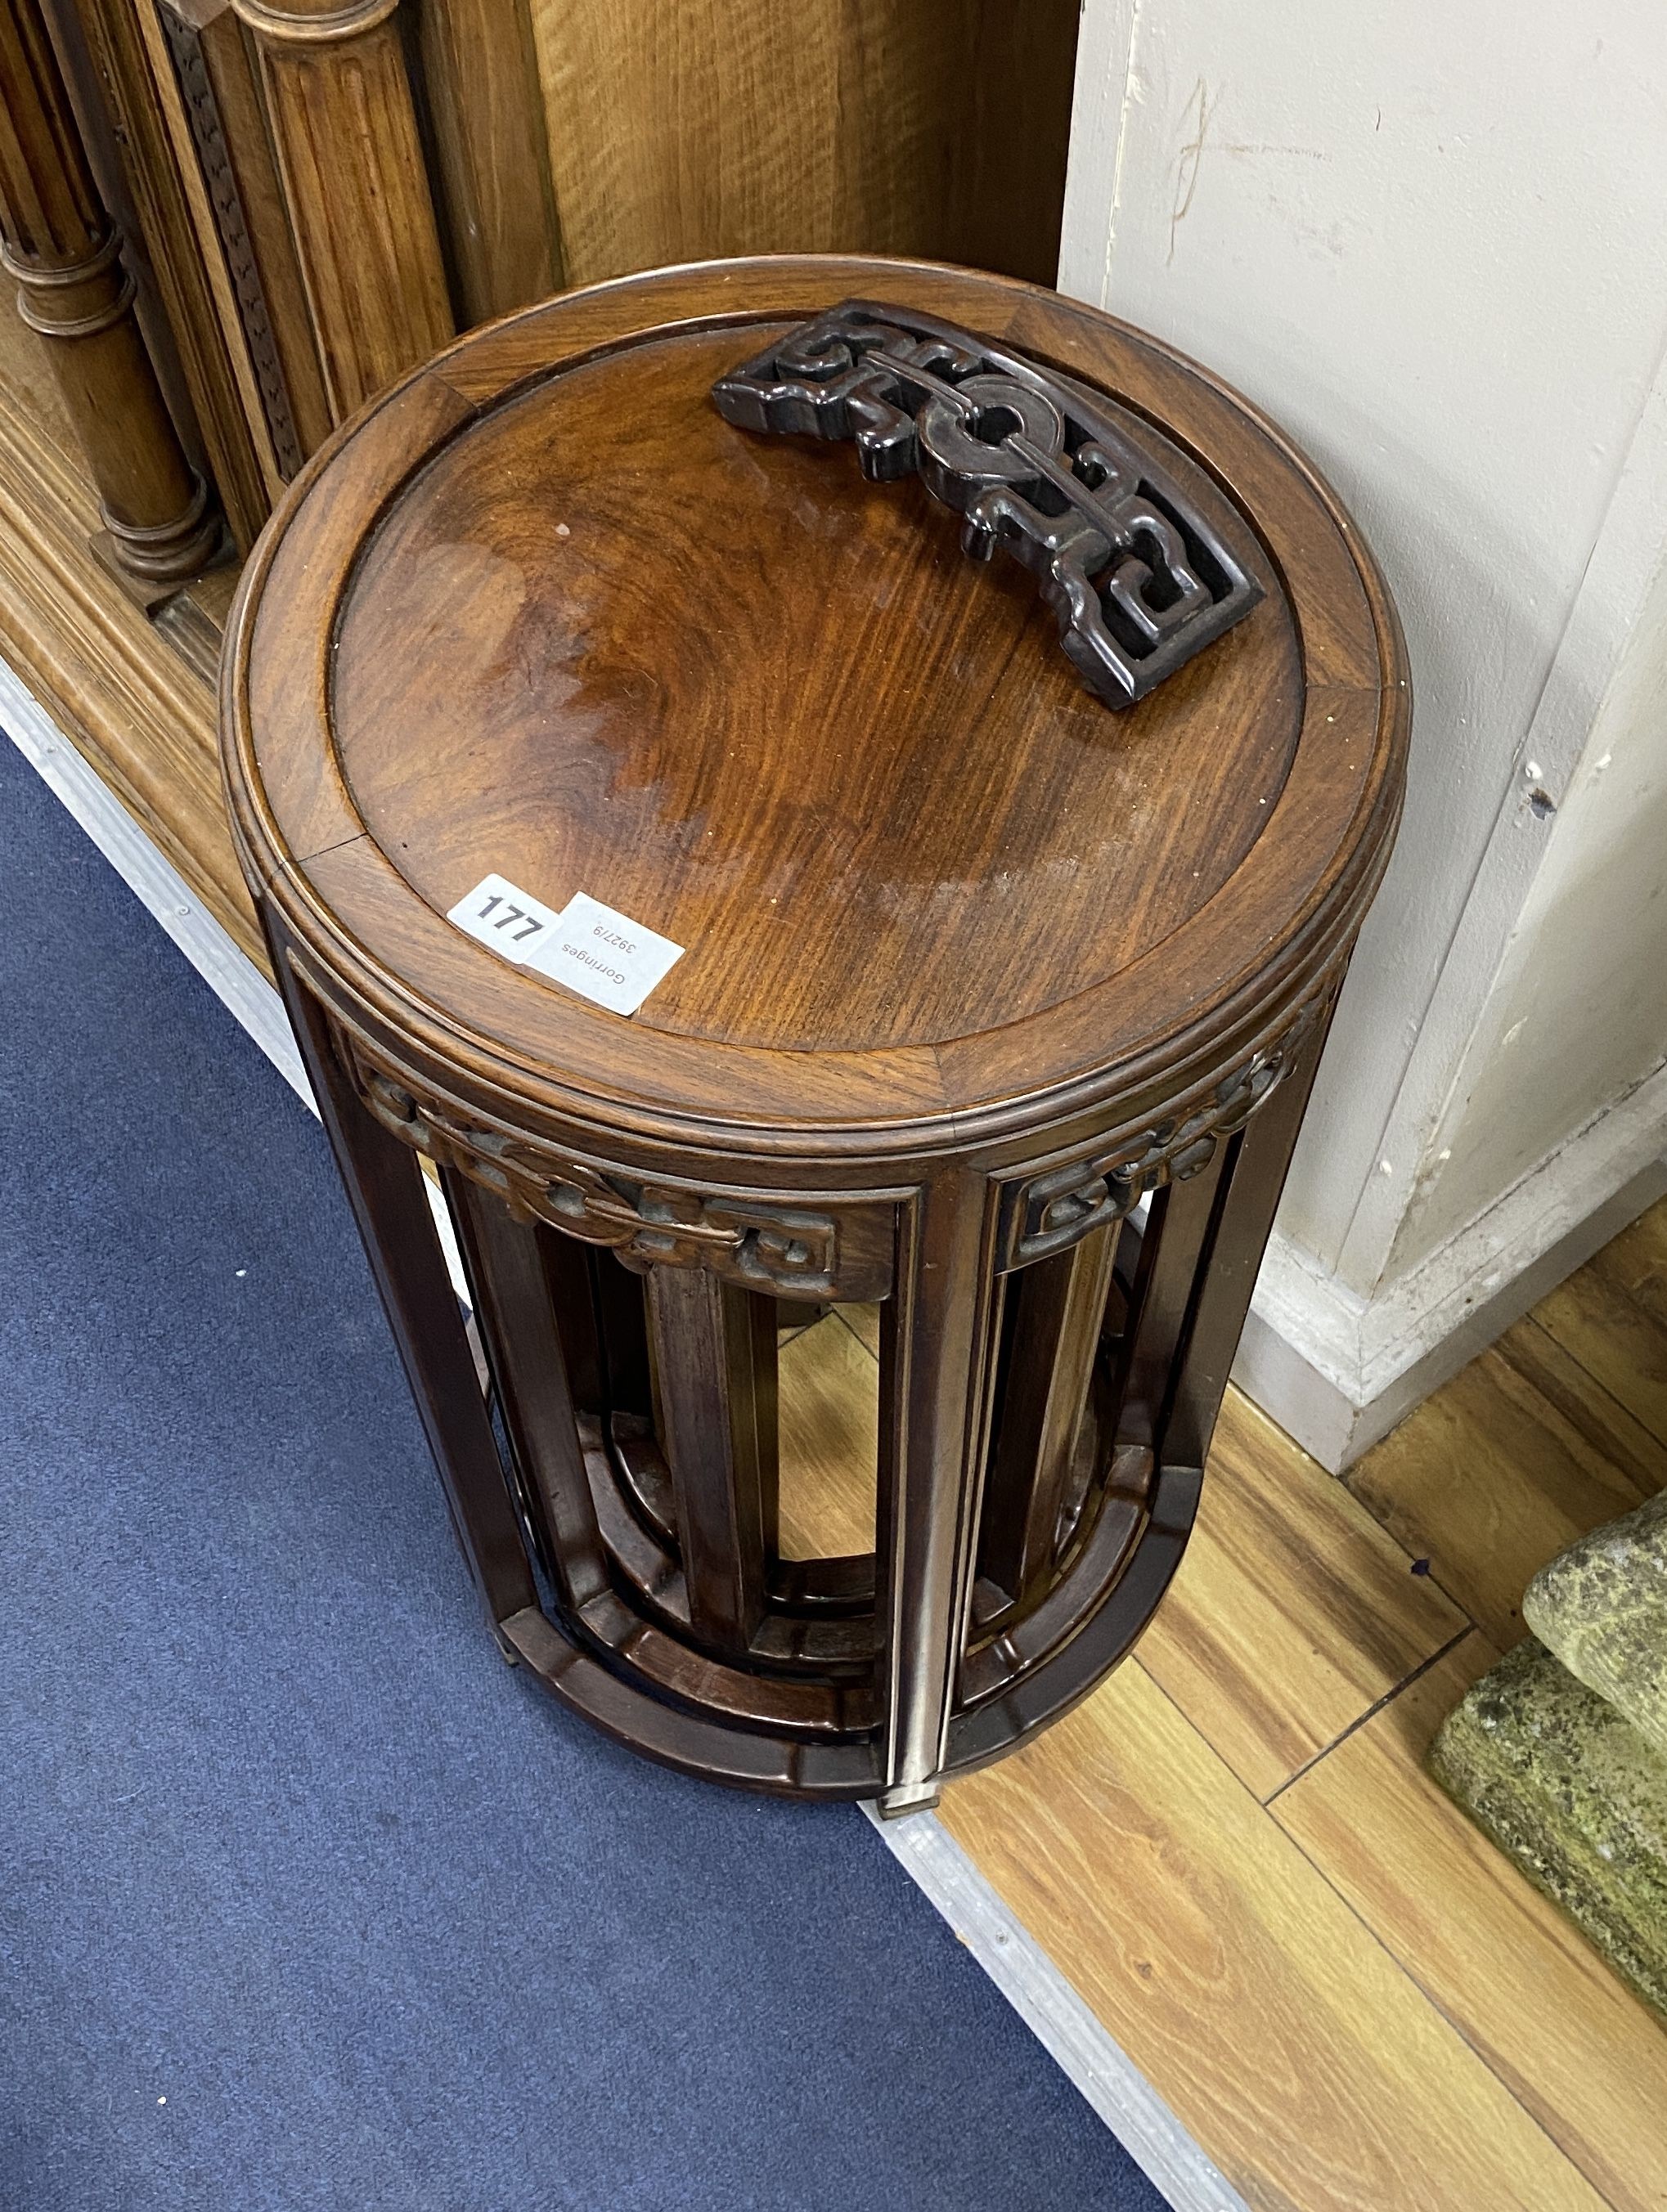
{"type": "Point", "coordinates": [786, 1250]}
{"type": "Point", "coordinates": [1047, 1213]}
{"type": "Point", "coordinates": [1137, 578]}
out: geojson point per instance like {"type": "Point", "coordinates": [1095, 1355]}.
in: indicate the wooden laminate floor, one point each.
{"type": "Point", "coordinates": [1231, 1849]}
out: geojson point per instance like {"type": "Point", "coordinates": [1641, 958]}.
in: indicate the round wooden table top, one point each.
{"type": "Point", "coordinates": [541, 612]}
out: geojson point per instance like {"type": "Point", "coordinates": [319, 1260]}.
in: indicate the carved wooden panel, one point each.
{"type": "Point", "coordinates": [1066, 483]}
{"type": "Point", "coordinates": [1047, 1212]}
{"type": "Point", "coordinates": [217, 82]}
{"type": "Point", "coordinates": [789, 1251]}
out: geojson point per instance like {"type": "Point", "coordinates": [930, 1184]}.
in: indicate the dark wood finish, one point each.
{"type": "Point", "coordinates": [973, 968]}
{"type": "Point", "coordinates": [60, 243]}
{"type": "Point", "coordinates": [339, 109]}
{"type": "Point", "coordinates": [1059, 1305]}
{"type": "Point", "coordinates": [714, 1371]}
{"type": "Point", "coordinates": [1239, 1234]}
{"type": "Point", "coordinates": [520, 1329]}
{"type": "Point", "coordinates": [383, 1186]}
{"type": "Point", "coordinates": [935, 1347]}
{"type": "Point", "coordinates": [1011, 87]}
{"type": "Point", "coordinates": [791, 1252]}
{"type": "Point", "coordinates": [620, 1318]}
{"type": "Point", "coordinates": [1176, 1248]}
{"type": "Point", "coordinates": [1098, 505]}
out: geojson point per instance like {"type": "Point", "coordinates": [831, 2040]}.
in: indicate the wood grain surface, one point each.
{"type": "Point", "coordinates": [863, 1321]}
{"type": "Point", "coordinates": [1391, 1989]}
{"type": "Point", "coordinates": [748, 753]}
{"type": "Point", "coordinates": [1283, 2033]}
{"type": "Point", "coordinates": [1435, 1898]}
{"type": "Point", "coordinates": [1293, 1612]}
{"type": "Point", "coordinates": [498, 217]}
{"type": "Point", "coordinates": [1616, 1322]}
{"type": "Point", "coordinates": [948, 833]}
{"type": "Point", "coordinates": [731, 126]}
{"type": "Point", "coordinates": [141, 714]}
{"type": "Point", "coordinates": [1491, 1477]}
{"type": "Point", "coordinates": [1516, 1978]}
{"type": "Point", "coordinates": [829, 1399]}
{"type": "Point", "coordinates": [355, 189]}
{"type": "Point", "coordinates": [1621, 1346]}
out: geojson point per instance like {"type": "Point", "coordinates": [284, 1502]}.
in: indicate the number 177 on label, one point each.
{"type": "Point", "coordinates": [504, 917]}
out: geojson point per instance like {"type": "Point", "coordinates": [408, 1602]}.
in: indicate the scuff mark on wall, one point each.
{"type": "Point", "coordinates": [1191, 162]}
{"type": "Point", "coordinates": [1293, 153]}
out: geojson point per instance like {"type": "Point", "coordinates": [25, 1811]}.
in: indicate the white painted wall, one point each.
{"type": "Point", "coordinates": [1432, 242]}
{"type": "Point", "coordinates": [1577, 1015]}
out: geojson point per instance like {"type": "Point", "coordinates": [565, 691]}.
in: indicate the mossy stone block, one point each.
{"type": "Point", "coordinates": [1602, 1608]}
{"type": "Point", "coordinates": [1575, 1797]}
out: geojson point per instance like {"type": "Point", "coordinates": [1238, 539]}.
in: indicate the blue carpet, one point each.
{"type": "Point", "coordinates": [306, 1900]}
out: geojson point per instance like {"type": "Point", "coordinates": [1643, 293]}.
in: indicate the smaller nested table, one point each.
{"type": "Point", "coordinates": [1006, 899]}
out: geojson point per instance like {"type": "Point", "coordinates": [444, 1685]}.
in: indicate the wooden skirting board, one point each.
{"type": "Point", "coordinates": [1230, 1850]}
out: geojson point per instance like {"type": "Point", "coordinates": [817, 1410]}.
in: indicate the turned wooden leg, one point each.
{"type": "Point", "coordinates": [56, 239]}
{"type": "Point", "coordinates": [343, 129]}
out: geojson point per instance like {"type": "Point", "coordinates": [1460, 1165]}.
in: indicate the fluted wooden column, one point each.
{"type": "Point", "coordinates": [58, 240]}
{"type": "Point", "coordinates": [350, 160]}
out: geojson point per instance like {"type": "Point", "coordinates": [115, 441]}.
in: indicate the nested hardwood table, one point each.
{"type": "Point", "coordinates": [1014, 893]}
